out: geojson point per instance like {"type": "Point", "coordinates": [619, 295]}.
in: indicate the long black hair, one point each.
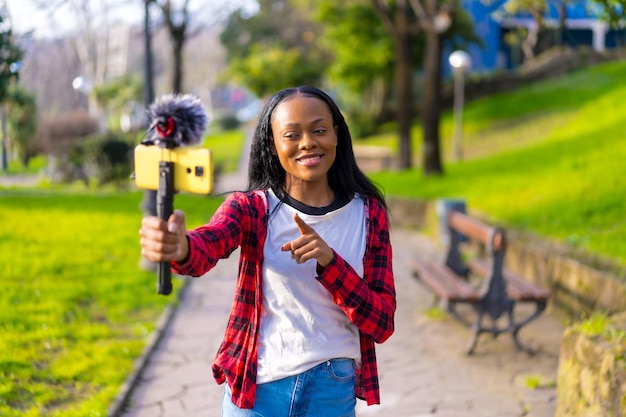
{"type": "Point", "coordinates": [266, 172]}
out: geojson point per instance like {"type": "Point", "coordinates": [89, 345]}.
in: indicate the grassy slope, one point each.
{"type": "Point", "coordinates": [547, 158]}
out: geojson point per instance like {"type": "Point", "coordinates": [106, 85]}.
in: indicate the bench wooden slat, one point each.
{"type": "Point", "coordinates": [475, 229]}
{"type": "Point", "coordinates": [517, 287]}
{"type": "Point", "coordinates": [445, 283]}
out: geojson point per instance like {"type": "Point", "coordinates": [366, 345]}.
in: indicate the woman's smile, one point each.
{"type": "Point", "coordinates": [310, 160]}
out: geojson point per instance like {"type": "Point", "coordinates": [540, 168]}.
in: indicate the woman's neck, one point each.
{"type": "Point", "coordinates": [314, 195]}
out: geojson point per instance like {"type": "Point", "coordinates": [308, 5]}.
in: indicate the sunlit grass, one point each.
{"type": "Point", "coordinates": [226, 148]}
{"type": "Point", "coordinates": [75, 309]}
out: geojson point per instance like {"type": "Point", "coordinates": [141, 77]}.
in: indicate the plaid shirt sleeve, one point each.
{"type": "Point", "coordinates": [369, 302]}
{"type": "Point", "coordinates": [213, 241]}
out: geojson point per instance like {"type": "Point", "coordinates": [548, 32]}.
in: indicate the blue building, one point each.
{"type": "Point", "coordinates": [492, 24]}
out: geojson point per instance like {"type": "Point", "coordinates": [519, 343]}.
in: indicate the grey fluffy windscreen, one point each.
{"type": "Point", "coordinates": [189, 116]}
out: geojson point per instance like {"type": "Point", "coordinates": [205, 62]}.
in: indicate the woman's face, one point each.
{"type": "Point", "coordinates": [305, 139]}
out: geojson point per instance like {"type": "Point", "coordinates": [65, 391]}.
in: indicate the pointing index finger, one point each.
{"type": "Point", "coordinates": [302, 226]}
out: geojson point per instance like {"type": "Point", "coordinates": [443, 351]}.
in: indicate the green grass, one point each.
{"type": "Point", "coordinates": [75, 309]}
{"type": "Point", "coordinates": [600, 324]}
{"type": "Point", "coordinates": [226, 148]}
{"type": "Point", "coordinates": [35, 165]}
{"type": "Point", "coordinates": [548, 159]}
{"type": "Point", "coordinates": [534, 382]}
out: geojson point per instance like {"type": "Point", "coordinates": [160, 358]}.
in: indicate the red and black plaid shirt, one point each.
{"type": "Point", "coordinates": [369, 302]}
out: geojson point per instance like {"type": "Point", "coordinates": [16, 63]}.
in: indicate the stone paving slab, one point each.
{"type": "Point", "coordinates": [423, 370]}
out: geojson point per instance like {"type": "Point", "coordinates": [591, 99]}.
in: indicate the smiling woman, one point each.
{"type": "Point", "coordinates": [315, 264]}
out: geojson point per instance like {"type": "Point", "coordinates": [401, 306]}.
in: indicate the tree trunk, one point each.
{"type": "Point", "coordinates": [431, 104]}
{"type": "Point", "coordinates": [404, 89]}
{"type": "Point", "coordinates": [178, 40]}
{"type": "Point", "coordinates": [403, 84]}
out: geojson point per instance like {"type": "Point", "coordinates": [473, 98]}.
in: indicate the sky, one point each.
{"type": "Point", "coordinates": [25, 16]}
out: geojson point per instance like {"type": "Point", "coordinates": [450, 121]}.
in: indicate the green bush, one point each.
{"type": "Point", "coordinates": [109, 158]}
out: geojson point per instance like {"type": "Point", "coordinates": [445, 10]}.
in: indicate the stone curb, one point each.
{"type": "Point", "coordinates": [121, 400]}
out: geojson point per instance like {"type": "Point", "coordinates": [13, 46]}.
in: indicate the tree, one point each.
{"type": "Point", "coordinates": [177, 21]}
{"type": "Point", "coordinates": [402, 27]}
{"type": "Point", "coordinates": [273, 49]}
{"type": "Point", "coordinates": [361, 67]}
{"type": "Point", "coordinates": [404, 20]}
{"type": "Point", "coordinates": [10, 58]}
{"type": "Point", "coordinates": [96, 41]}
{"type": "Point", "coordinates": [181, 27]}
{"type": "Point", "coordinates": [116, 95]}
{"type": "Point", "coordinates": [613, 12]}
{"type": "Point", "coordinates": [536, 8]}
{"type": "Point", "coordinates": [22, 121]}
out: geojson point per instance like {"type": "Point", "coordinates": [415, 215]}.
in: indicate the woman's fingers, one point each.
{"type": "Point", "coordinates": [157, 243]}
{"type": "Point", "coordinates": [308, 246]}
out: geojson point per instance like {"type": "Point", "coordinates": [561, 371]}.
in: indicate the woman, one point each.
{"type": "Point", "coordinates": [315, 289]}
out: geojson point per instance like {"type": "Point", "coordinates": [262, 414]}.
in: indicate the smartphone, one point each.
{"type": "Point", "coordinates": [193, 168]}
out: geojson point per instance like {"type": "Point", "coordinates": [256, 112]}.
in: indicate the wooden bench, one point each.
{"type": "Point", "coordinates": [501, 289]}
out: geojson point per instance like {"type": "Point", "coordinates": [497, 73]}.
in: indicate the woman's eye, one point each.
{"type": "Point", "coordinates": [291, 136]}
{"type": "Point", "coordinates": [320, 131]}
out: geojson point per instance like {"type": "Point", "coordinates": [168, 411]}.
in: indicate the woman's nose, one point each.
{"type": "Point", "coordinates": [307, 141]}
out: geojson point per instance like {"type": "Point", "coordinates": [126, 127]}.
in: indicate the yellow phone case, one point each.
{"type": "Point", "coordinates": [193, 168]}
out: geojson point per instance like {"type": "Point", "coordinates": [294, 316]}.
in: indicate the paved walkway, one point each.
{"type": "Point", "coordinates": [423, 370]}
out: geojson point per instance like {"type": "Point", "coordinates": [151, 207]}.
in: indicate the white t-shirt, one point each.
{"type": "Point", "coordinates": [301, 326]}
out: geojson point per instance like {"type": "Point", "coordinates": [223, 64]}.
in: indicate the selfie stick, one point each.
{"type": "Point", "coordinates": [177, 120]}
{"type": "Point", "coordinates": [165, 208]}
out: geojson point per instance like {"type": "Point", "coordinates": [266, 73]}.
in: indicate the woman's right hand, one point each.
{"type": "Point", "coordinates": [164, 242]}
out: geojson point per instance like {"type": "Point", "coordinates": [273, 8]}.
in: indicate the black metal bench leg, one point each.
{"type": "Point", "coordinates": [477, 329]}
{"type": "Point", "coordinates": [450, 307]}
{"type": "Point", "coordinates": [540, 306]}
{"type": "Point", "coordinates": [516, 327]}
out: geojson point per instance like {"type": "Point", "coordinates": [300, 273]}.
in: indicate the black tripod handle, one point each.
{"type": "Point", "coordinates": [165, 208]}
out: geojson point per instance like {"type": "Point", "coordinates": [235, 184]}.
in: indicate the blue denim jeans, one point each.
{"type": "Point", "coordinates": [327, 390]}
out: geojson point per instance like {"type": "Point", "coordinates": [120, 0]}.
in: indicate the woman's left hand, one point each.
{"type": "Point", "coordinates": [309, 245]}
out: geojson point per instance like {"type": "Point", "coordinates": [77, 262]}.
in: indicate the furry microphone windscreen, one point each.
{"type": "Point", "coordinates": [176, 120]}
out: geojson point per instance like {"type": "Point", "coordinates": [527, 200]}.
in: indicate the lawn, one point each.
{"type": "Point", "coordinates": [75, 309]}
{"type": "Point", "coordinates": [226, 148]}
